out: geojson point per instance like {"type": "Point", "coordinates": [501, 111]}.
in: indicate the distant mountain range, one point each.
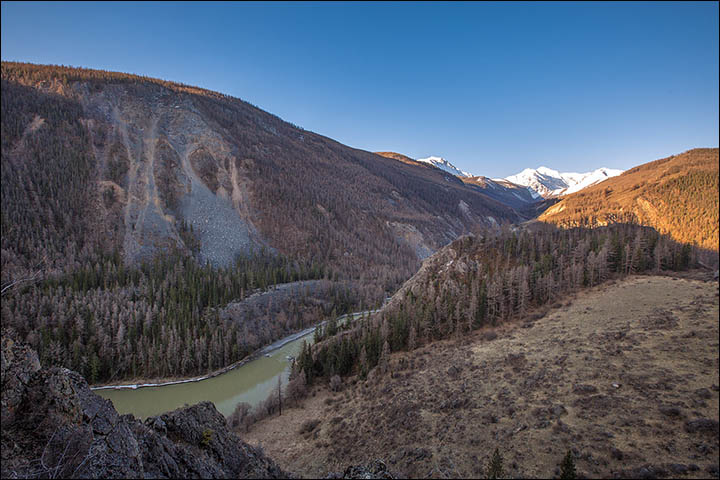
{"type": "Point", "coordinates": [541, 183]}
{"type": "Point", "coordinates": [517, 196]}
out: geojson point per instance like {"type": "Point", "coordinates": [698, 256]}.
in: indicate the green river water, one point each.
{"type": "Point", "coordinates": [251, 383]}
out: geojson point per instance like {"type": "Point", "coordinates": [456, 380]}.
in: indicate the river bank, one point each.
{"type": "Point", "coordinates": [253, 356]}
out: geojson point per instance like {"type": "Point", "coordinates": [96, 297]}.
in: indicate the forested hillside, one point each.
{"type": "Point", "coordinates": [165, 318]}
{"type": "Point", "coordinates": [677, 195]}
{"type": "Point", "coordinates": [487, 280]}
{"type": "Point", "coordinates": [592, 373]}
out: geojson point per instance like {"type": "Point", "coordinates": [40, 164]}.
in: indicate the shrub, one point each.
{"type": "Point", "coordinates": [490, 335]}
{"type": "Point", "coordinates": [309, 425]}
{"type": "Point", "coordinates": [206, 438]}
{"type": "Point", "coordinates": [296, 389]}
{"type": "Point", "coordinates": [270, 405]}
{"type": "Point", "coordinates": [240, 416]}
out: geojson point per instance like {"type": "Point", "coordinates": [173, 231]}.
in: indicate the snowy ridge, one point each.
{"type": "Point", "coordinates": [546, 182]}
{"type": "Point", "coordinates": [443, 164]}
{"type": "Point", "coordinates": [542, 182]}
{"type": "Point", "coordinates": [592, 178]}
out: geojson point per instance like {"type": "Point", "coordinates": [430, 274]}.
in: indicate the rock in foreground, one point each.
{"type": "Point", "coordinates": [54, 426]}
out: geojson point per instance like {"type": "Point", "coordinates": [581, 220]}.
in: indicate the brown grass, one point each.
{"type": "Point", "coordinates": [535, 391]}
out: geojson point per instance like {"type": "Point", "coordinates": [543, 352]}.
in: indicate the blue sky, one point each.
{"type": "Point", "coordinates": [494, 88]}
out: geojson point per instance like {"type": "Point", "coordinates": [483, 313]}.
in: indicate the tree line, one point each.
{"type": "Point", "coordinates": [164, 317]}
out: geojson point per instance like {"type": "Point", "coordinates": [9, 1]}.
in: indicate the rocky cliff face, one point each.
{"type": "Point", "coordinates": [54, 426]}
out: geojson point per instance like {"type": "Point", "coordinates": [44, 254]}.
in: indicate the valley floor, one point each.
{"type": "Point", "coordinates": [625, 375]}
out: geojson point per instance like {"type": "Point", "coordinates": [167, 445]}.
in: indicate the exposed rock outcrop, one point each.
{"type": "Point", "coordinates": [17, 364]}
{"type": "Point", "coordinates": [55, 426]}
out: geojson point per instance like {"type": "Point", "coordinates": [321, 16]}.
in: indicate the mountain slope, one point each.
{"type": "Point", "coordinates": [95, 161]}
{"type": "Point", "coordinates": [516, 196]}
{"type": "Point", "coordinates": [534, 336]}
{"type": "Point", "coordinates": [677, 195]}
{"type": "Point", "coordinates": [480, 281]}
{"type": "Point", "coordinates": [398, 156]}
{"type": "Point", "coordinates": [545, 182]}
{"type": "Point", "coordinates": [426, 170]}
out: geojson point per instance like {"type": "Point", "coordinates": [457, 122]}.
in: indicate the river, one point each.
{"type": "Point", "coordinates": [251, 382]}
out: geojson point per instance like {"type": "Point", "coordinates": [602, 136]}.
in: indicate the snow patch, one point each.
{"type": "Point", "coordinates": [546, 182]}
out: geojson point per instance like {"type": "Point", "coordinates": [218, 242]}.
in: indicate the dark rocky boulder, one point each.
{"type": "Point", "coordinates": [17, 364]}
{"type": "Point", "coordinates": [54, 426]}
{"type": "Point", "coordinates": [702, 425]}
{"type": "Point", "coordinates": [373, 470]}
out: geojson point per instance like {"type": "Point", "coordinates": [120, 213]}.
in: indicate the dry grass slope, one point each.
{"type": "Point", "coordinates": [625, 375]}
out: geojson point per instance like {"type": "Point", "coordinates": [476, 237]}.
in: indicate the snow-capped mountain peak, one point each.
{"type": "Point", "coordinates": [541, 182]}
{"type": "Point", "coordinates": [443, 164]}
{"type": "Point", "coordinates": [546, 182]}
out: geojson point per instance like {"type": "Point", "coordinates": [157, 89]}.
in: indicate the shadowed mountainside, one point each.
{"type": "Point", "coordinates": [517, 196]}
{"type": "Point", "coordinates": [507, 193]}
{"type": "Point", "coordinates": [95, 160]}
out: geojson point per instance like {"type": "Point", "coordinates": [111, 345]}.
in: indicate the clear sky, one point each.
{"type": "Point", "coordinates": [493, 88]}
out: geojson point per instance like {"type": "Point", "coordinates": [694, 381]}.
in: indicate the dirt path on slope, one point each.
{"type": "Point", "coordinates": [626, 376]}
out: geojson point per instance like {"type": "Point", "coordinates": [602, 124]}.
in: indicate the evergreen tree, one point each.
{"type": "Point", "coordinates": [412, 339]}
{"type": "Point", "coordinates": [363, 361]}
{"type": "Point", "coordinates": [495, 466]}
{"type": "Point", "coordinates": [384, 361]}
{"type": "Point", "coordinates": [567, 467]}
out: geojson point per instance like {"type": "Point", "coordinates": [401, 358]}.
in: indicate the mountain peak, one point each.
{"type": "Point", "coordinates": [443, 164]}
